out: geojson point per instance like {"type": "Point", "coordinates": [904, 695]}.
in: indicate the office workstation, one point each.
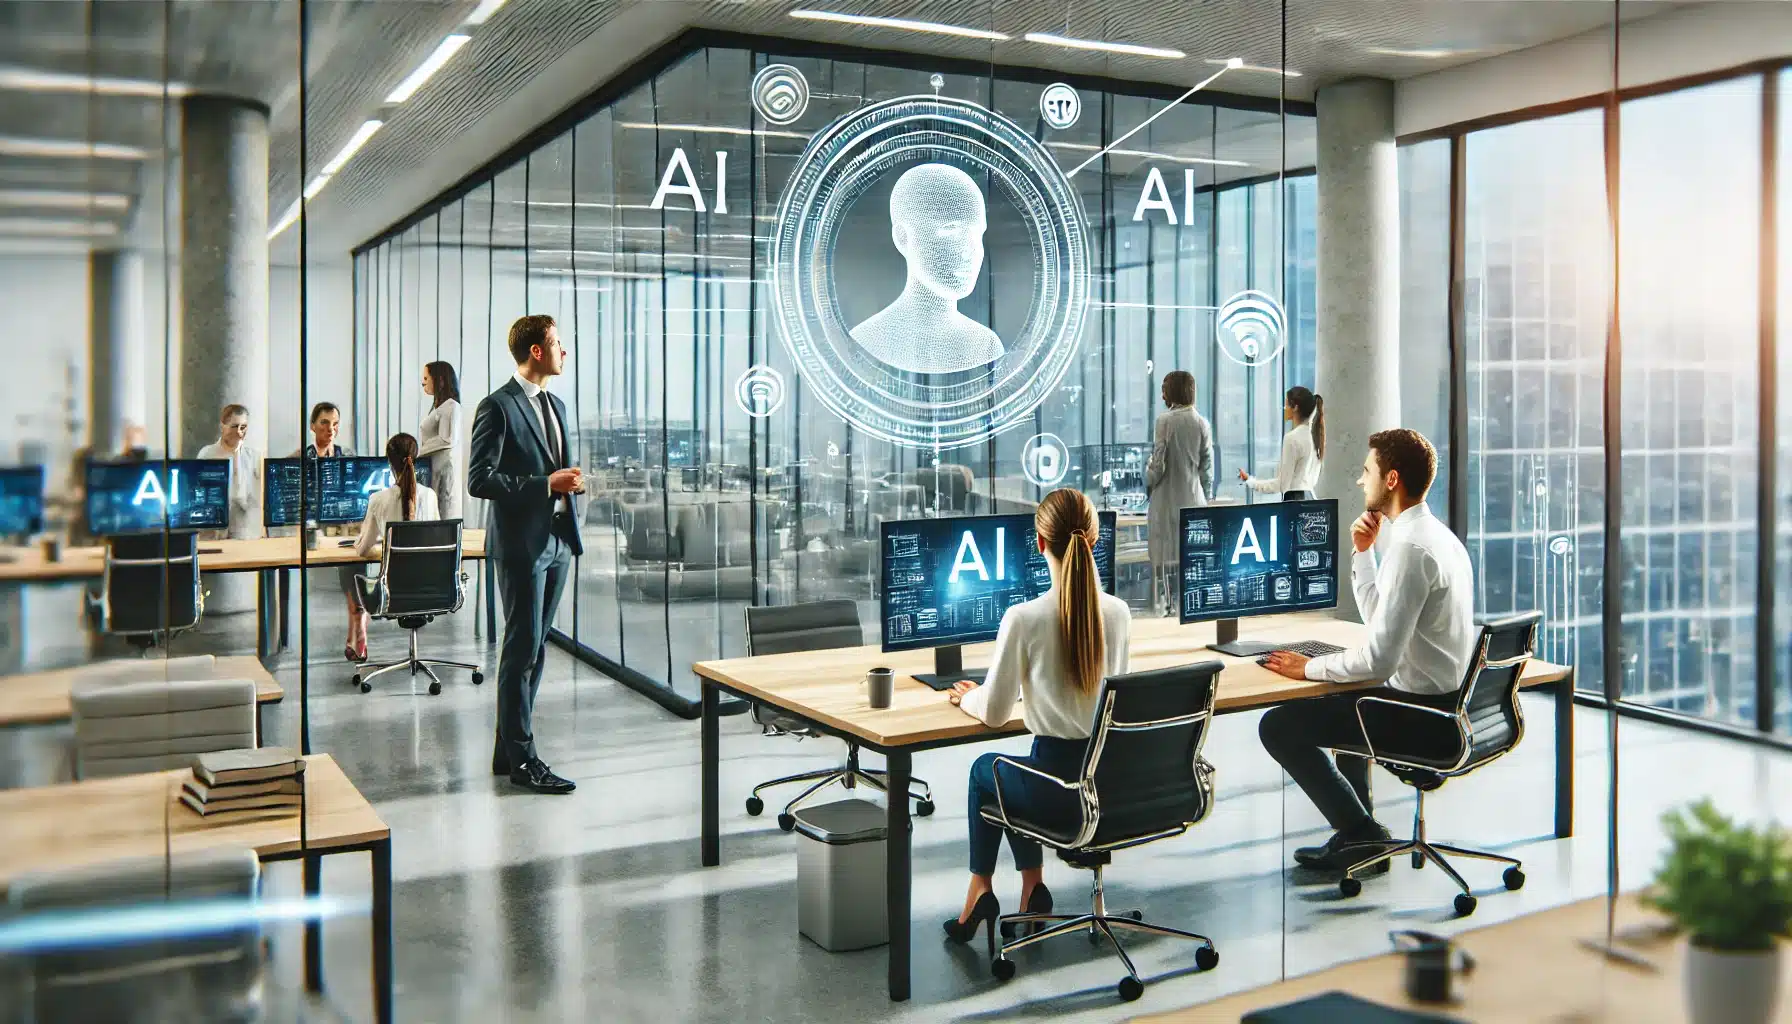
{"type": "Point", "coordinates": [966, 512]}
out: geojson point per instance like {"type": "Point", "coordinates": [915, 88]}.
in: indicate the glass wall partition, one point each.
{"type": "Point", "coordinates": [645, 227]}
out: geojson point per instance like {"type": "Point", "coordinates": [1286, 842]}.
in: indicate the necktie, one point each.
{"type": "Point", "coordinates": [551, 427]}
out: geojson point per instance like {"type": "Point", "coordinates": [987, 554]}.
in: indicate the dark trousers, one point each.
{"type": "Point", "coordinates": [1024, 796]}
{"type": "Point", "coordinates": [528, 598]}
{"type": "Point", "coordinates": [1299, 733]}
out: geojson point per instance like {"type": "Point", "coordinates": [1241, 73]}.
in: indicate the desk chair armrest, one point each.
{"type": "Point", "coordinates": [1388, 714]}
{"type": "Point", "coordinates": [1001, 762]}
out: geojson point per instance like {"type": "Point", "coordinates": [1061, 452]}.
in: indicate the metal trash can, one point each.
{"type": "Point", "coordinates": [840, 875]}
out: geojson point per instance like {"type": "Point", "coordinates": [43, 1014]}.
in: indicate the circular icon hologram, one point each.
{"type": "Point", "coordinates": [1060, 105]}
{"type": "Point", "coordinates": [1251, 327]}
{"type": "Point", "coordinates": [759, 391]}
{"type": "Point", "coordinates": [1045, 460]}
{"type": "Point", "coordinates": [780, 93]}
{"type": "Point", "coordinates": [920, 372]}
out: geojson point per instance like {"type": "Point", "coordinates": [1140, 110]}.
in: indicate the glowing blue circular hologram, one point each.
{"type": "Point", "coordinates": [1560, 546]}
{"type": "Point", "coordinates": [919, 373]}
{"type": "Point", "coordinates": [1045, 459]}
{"type": "Point", "coordinates": [1060, 105]}
{"type": "Point", "coordinates": [1251, 327]}
{"type": "Point", "coordinates": [759, 391]}
{"type": "Point", "coordinates": [780, 93]}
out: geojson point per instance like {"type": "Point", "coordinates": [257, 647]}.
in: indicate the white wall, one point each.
{"type": "Point", "coordinates": [44, 326]}
{"type": "Point", "coordinates": [1677, 43]}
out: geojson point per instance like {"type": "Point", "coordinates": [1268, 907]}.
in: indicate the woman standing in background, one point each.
{"type": "Point", "coordinates": [1179, 475]}
{"type": "Point", "coordinates": [439, 436]}
{"type": "Point", "coordinates": [1303, 449]}
{"type": "Point", "coordinates": [245, 471]}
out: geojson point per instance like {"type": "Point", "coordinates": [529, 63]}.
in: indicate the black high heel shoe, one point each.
{"type": "Point", "coordinates": [986, 909]}
{"type": "Point", "coordinates": [1039, 901]}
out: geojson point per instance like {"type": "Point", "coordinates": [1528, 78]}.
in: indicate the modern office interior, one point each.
{"type": "Point", "coordinates": [239, 241]}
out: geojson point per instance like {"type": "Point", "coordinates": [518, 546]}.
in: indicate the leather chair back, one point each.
{"type": "Point", "coordinates": [420, 570]}
{"type": "Point", "coordinates": [816, 626]}
{"type": "Point", "coordinates": [1143, 777]}
{"type": "Point", "coordinates": [1488, 705]}
{"type": "Point", "coordinates": [151, 584]}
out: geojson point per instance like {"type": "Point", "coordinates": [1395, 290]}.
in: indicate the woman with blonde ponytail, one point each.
{"type": "Point", "coordinates": [1051, 652]}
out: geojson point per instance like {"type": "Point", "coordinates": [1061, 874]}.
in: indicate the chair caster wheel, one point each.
{"type": "Point", "coordinates": [755, 806]}
{"type": "Point", "coordinates": [923, 808]}
{"type": "Point", "coordinates": [366, 687]}
{"type": "Point", "coordinates": [1130, 989]}
{"type": "Point", "coordinates": [356, 681]}
{"type": "Point", "coordinates": [1001, 968]}
{"type": "Point", "coordinates": [435, 689]}
{"type": "Point", "coordinates": [478, 677]}
{"type": "Point", "coordinates": [787, 821]}
{"type": "Point", "coordinates": [1465, 904]}
{"type": "Point", "coordinates": [1139, 915]}
{"type": "Point", "coordinates": [1348, 887]}
{"type": "Point", "coordinates": [1513, 878]}
{"type": "Point", "coordinates": [1207, 958]}
{"type": "Point", "coordinates": [1418, 860]}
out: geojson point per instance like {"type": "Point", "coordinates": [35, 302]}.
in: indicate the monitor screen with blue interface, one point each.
{"type": "Point", "coordinates": [949, 581]}
{"type": "Point", "coordinates": [178, 494]}
{"type": "Point", "coordinates": [21, 500]}
{"type": "Point", "coordinates": [281, 480]}
{"type": "Point", "coordinates": [1239, 560]}
{"type": "Point", "coordinates": [345, 484]}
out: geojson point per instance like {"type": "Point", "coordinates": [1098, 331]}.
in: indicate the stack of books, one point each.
{"type": "Point", "coordinates": [265, 780]}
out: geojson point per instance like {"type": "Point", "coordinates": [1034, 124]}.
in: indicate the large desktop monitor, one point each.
{"type": "Point", "coordinates": [177, 494]}
{"type": "Point", "coordinates": [947, 582]}
{"type": "Point", "coordinates": [21, 501]}
{"type": "Point", "coordinates": [282, 483]}
{"type": "Point", "coordinates": [343, 486]}
{"type": "Point", "coordinates": [1266, 559]}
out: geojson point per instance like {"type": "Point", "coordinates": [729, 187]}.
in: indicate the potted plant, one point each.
{"type": "Point", "coordinates": [1729, 887]}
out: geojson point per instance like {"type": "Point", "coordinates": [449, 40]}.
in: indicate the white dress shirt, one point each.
{"type": "Point", "coordinates": [245, 487]}
{"type": "Point", "coordinates": [1029, 663]}
{"type": "Point", "coordinates": [1419, 604]}
{"type": "Point", "coordinates": [387, 506]}
{"type": "Point", "coordinates": [530, 391]}
{"type": "Point", "coordinates": [1299, 468]}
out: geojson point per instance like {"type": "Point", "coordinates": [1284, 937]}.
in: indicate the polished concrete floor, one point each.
{"type": "Point", "coordinates": [517, 907]}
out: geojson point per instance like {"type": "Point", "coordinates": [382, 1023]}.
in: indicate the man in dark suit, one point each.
{"type": "Point", "coordinates": [520, 463]}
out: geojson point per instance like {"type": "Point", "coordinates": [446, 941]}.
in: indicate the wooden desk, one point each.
{"type": "Point", "coordinates": [1529, 969]}
{"type": "Point", "coordinates": [83, 823]}
{"type": "Point", "coordinates": [826, 688]}
{"type": "Point", "coordinates": [41, 698]}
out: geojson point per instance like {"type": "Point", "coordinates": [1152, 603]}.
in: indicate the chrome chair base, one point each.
{"type": "Point", "coordinates": [850, 776]}
{"type": "Point", "coordinates": [364, 677]}
{"type": "Point", "coordinates": [1422, 850]}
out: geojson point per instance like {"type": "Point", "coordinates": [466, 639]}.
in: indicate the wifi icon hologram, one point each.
{"type": "Point", "coordinates": [780, 93]}
{"type": "Point", "coordinates": [1251, 327]}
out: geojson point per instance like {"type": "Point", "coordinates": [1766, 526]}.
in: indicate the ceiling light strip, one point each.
{"type": "Point", "coordinates": [38, 80]}
{"type": "Point", "coordinates": [1198, 86]}
{"type": "Point", "coordinates": [712, 129]}
{"type": "Point", "coordinates": [905, 24]}
{"type": "Point", "coordinates": [1238, 64]}
{"type": "Point", "coordinates": [1130, 49]}
{"type": "Point", "coordinates": [444, 51]}
{"type": "Point", "coordinates": [484, 11]}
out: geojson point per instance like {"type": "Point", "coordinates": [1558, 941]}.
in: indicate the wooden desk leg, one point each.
{"type": "Point", "coordinates": [382, 931]}
{"type": "Point", "coordinates": [1565, 757]}
{"type": "Point", "coordinates": [314, 934]}
{"type": "Point", "coordinates": [897, 880]}
{"type": "Point", "coordinates": [712, 742]}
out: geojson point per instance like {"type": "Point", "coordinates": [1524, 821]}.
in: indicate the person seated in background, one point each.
{"type": "Point", "coordinates": [326, 426]}
{"type": "Point", "coordinates": [404, 501]}
{"type": "Point", "coordinates": [1418, 602]}
{"type": "Point", "coordinates": [1051, 652]}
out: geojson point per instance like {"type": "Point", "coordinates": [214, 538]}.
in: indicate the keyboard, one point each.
{"type": "Point", "coordinates": [1307, 648]}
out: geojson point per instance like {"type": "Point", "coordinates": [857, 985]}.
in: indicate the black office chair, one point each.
{"type": "Point", "coordinates": [817, 626]}
{"type": "Point", "coordinates": [419, 579]}
{"type": "Point", "coordinates": [1423, 746]}
{"type": "Point", "coordinates": [150, 591]}
{"type": "Point", "coordinates": [1143, 779]}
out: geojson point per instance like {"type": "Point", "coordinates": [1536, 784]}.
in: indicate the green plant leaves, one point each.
{"type": "Point", "coordinates": [1729, 886]}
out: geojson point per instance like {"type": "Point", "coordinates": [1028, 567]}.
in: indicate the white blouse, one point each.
{"type": "Point", "coordinates": [245, 486]}
{"type": "Point", "coordinates": [387, 506]}
{"type": "Point", "coordinates": [1029, 663]}
{"type": "Point", "coordinates": [440, 429]}
{"type": "Point", "coordinates": [1299, 468]}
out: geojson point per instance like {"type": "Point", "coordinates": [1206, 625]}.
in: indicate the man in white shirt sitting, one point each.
{"type": "Point", "coordinates": [1418, 602]}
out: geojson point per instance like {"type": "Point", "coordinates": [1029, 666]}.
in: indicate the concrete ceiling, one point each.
{"type": "Point", "coordinates": [535, 57]}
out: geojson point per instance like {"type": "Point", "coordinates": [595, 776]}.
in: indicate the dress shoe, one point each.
{"type": "Point", "coordinates": [538, 777]}
{"type": "Point", "coordinates": [500, 764]}
{"type": "Point", "coordinates": [986, 911]}
{"type": "Point", "coordinates": [1344, 849]}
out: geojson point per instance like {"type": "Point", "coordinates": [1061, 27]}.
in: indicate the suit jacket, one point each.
{"type": "Point", "coordinates": [509, 467]}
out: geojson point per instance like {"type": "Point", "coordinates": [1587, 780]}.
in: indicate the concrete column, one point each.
{"type": "Point", "coordinates": [224, 286]}
{"type": "Point", "coordinates": [1359, 289]}
{"type": "Point", "coordinates": [116, 382]}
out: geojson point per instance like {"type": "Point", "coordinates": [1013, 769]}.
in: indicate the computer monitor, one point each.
{"type": "Point", "coordinates": [281, 480]}
{"type": "Point", "coordinates": [345, 484]}
{"type": "Point", "coordinates": [176, 494]}
{"type": "Point", "coordinates": [21, 501]}
{"type": "Point", "coordinates": [1266, 559]}
{"type": "Point", "coordinates": [948, 581]}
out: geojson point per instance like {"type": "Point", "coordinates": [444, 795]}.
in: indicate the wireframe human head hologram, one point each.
{"type": "Point", "coordinates": [937, 220]}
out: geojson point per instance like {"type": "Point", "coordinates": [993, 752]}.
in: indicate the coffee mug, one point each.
{"type": "Point", "coordinates": [310, 535]}
{"type": "Point", "coordinates": [52, 549]}
{"type": "Point", "coordinates": [1431, 965]}
{"type": "Point", "coordinates": [880, 687]}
